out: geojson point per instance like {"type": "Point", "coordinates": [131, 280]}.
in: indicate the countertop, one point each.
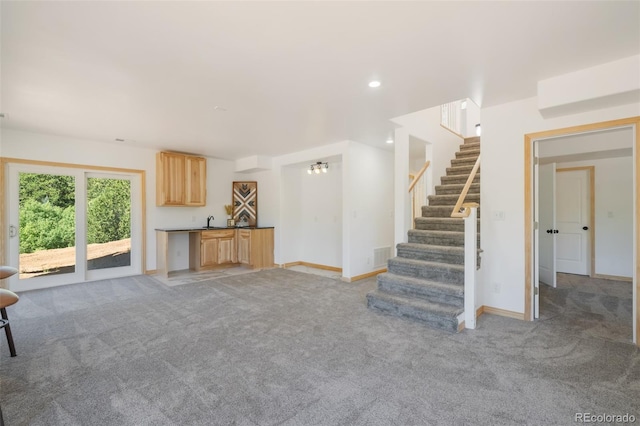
{"type": "Point", "coordinates": [213, 228]}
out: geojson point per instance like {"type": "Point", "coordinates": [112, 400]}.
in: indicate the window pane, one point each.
{"type": "Point", "coordinates": [47, 224]}
{"type": "Point", "coordinates": [108, 223]}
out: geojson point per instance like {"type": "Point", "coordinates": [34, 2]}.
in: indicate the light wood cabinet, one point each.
{"type": "Point", "coordinates": [195, 184]}
{"type": "Point", "coordinates": [208, 252]}
{"type": "Point", "coordinates": [244, 246]}
{"type": "Point", "coordinates": [255, 247]}
{"type": "Point", "coordinates": [180, 180]}
{"type": "Point", "coordinates": [227, 250]}
{"type": "Point", "coordinates": [208, 249]}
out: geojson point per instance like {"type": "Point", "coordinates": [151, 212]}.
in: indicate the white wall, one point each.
{"type": "Point", "coordinates": [503, 130]}
{"type": "Point", "coordinates": [362, 189]}
{"type": "Point", "coordinates": [220, 175]}
{"type": "Point", "coordinates": [368, 205]}
{"type": "Point", "coordinates": [613, 214]}
{"type": "Point", "coordinates": [320, 200]}
{"type": "Point", "coordinates": [441, 148]}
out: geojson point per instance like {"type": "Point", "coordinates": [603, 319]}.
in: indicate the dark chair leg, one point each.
{"type": "Point", "coordinates": [1, 419]}
{"type": "Point", "coordinates": [7, 330]}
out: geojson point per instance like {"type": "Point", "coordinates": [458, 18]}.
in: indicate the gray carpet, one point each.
{"type": "Point", "coordinates": [278, 347]}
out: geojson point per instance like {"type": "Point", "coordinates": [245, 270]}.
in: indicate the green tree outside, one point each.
{"type": "Point", "coordinates": [47, 211]}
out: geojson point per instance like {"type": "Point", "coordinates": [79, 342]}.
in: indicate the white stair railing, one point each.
{"type": "Point", "coordinates": [451, 117]}
{"type": "Point", "coordinates": [469, 211]}
{"type": "Point", "coordinates": [470, 264]}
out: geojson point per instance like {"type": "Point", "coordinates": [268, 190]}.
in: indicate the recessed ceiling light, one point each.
{"type": "Point", "coordinates": [219, 108]}
{"type": "Point", "coordinates": [374, 83]}
{"type": "Point", "coordinates": [1, 115]}
{"type": "Point", "coordinates": [389, 140]}
{"type": "Point", "coordinates": [119, 140]}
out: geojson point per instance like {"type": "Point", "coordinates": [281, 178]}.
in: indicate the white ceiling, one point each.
{"type": "Point", "coordinates": [286, 76]}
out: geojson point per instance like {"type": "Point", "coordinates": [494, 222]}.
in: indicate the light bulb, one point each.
{"type": "Point", "coordinates": [325, 169]}
{"type": "Point", "coordinates": [317, 170]}
{"type": "Point", "coordinates": [309, 171]}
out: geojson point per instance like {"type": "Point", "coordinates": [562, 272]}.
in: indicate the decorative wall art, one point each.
{"type": "Point", "coordinates": [245, 203]}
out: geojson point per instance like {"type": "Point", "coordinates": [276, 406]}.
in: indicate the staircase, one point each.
{"type": "Point", "coordinates": [425, 282]}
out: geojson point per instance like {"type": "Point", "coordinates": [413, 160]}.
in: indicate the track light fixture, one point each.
{"type": "Point", "coordinates": [317, 167]}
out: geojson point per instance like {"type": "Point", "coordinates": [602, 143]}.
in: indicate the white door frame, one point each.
{"type": "Point", "coordinates": [529, 249]}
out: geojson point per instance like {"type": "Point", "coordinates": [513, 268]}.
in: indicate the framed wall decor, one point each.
{"type": "Point", "coordinates": [245, 203]}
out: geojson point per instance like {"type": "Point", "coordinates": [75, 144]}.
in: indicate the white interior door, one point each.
{"type": "Point", "coordinates": [547, 227]}
{"type": "Point", "coordinates": [572, 220]}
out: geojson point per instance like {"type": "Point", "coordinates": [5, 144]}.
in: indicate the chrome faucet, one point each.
{"type": "Point", "coordinates": [209, 219]}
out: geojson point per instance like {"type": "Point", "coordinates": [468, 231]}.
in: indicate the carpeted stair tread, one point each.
{"type": "Point", "coordinates": [426, 270]}
{"type": "Point", "coordinates": [456, 184]}
{"type": "Point", "coordinates": [432, 253]}
{"type": "Point", "coordinates": [459, 162]}
{"type": "Point", "coordinates": [470, 146]}
{"type": "Point", "coordinates": [472, 139]}
{"type": "Point", "coordinates": [431, 291]}
{"type": "Point", "coordinates": [436, 237]}
{"type": "Point", "coordinates": [461, 170]}
{"type": "Point", "coordinates": [439, 316]}
{"type": "Point", "coordinates": [468, 153]}
{"type": "Point", "coordinates": [452, 199]}
{"type": "Point", "coordinates": [458, 179]}
{"type": "Point", "coordinates": [439, 211]}
{"type": "Point", "coordinates": [440, 224]}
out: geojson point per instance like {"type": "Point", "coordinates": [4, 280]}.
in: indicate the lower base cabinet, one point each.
{"type": "Point", "coordinates": [211, 248]}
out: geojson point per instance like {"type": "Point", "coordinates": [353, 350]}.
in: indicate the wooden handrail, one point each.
{"type": "Point", "coordinates": [456, 210]}
{"type": "Point", "coordinates": [419, 175]}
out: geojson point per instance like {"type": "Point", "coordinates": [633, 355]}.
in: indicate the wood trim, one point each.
{"type": "Point", "coordinates": [502, 312]}
{"type": "Point", "coordinates": [363, 276]}
{"type": "Point", "coordinates": [419, 175]}
{"type": "Point", "coordinates": [613, 277]}
{"type": "Point", "coordinates": [528, 205]}
{"type": "Point", "coordinates": [592, 211]}
{"type": "Point", "coordinates": [446, 128]}
{"type": "Point", "coordinates": [68, 165]}
{"type": "Point", "coordinates": [150, 271]}
{"type": "Point", "coordinates": [311, 265]}
{"type": "Point", "coordinates": [456, 210]}
{"type": "Point", "coordinates": [4, 161]}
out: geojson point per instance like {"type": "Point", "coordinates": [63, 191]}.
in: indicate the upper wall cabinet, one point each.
{"type": "Point", "coordinates": [180, 180]}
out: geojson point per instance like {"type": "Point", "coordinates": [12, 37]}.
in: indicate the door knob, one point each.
{"type": "Point", "coordinates": [555, 231]}
{"type": "Point", "coordinates": [586, 228]}
{"type": "Point", "coordinates": [549, 231]}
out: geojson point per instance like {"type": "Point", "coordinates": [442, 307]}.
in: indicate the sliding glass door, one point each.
{"type": "Point", "coordinates": [72, 225]}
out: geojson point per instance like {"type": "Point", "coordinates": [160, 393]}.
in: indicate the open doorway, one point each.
{"type": "Point", "coordinates": [600, 267]}
{"type": "Point", "coordinates": [584, 205]}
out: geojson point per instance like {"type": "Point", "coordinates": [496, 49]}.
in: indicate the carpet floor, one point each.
{"type": "Point", "coordinates": [279, 347]}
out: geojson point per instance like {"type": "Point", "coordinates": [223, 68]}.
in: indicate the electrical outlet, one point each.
{"type": "Point", "coordinates": [368, 260]}
{"type": "Point", "coordinates": [193, 218]}
{"type": "Point", "coordinates": [178, 253]}
{"type": "Point", "coordinates": [497, 215]}
{"type": "Point", "coordinates": [496, 287]}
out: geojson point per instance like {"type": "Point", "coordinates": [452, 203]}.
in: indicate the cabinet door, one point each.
{"type": "Point", "coordinates": [226, 252]}
{"type": "Point", "coordinates": [170, 183]}
{"type": "Point", "coordinates": [208, 252]}
{"type": "Point", "coordinates": [195, 181]}
{"type": "Point", "coordinates": [244, 247]}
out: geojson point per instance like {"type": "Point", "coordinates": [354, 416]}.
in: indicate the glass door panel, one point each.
{"type": "Point", "coordinates": [47, 224]}
{"type": "Point", "coordinates": [108, 223]}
